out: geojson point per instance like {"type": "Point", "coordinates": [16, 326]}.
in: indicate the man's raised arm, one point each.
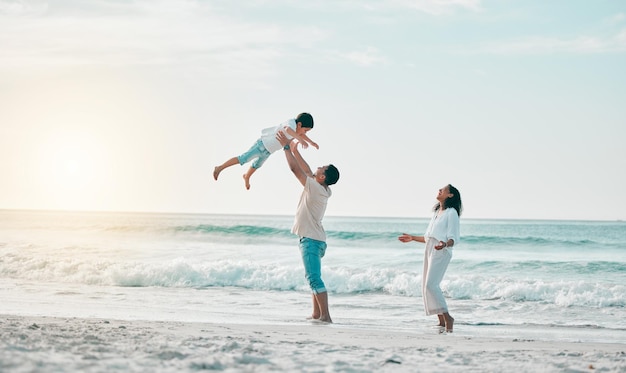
{"type": "Point", "coordinates": [294, 165]}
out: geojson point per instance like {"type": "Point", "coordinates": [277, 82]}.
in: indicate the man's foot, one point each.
{"type": "Point", "coordinates": [318, 318]}
{"type": "Point", "coordinates": [325, 319]}
{"type": "Point", "coordinates": [216, 172]}
{"type": "Point", "coordinates": [246, 178]}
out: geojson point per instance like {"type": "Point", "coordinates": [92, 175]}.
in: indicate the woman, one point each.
{"type": "Point", "coordinates": [441, 235]}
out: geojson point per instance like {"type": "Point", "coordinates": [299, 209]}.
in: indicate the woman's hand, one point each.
{"type": "Point", "coordinates": [440, 245]}
{"type": "Point", "coordinates": [405, 238]}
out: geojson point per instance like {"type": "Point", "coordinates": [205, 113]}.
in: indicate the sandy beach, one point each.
{"type": "Point", "coordinates": [83, 292]}
{"type": "Point", "coordinates": [49, 344]}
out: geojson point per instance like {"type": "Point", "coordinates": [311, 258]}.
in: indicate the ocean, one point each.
{"type": "Point", "coordinates": [524, 279]}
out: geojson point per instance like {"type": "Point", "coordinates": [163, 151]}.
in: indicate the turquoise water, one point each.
{"type": "Point", "coordinates": [504, 273]}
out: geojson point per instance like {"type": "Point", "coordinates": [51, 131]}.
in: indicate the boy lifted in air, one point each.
{"type": "Point", "coordinates": [268, 144]}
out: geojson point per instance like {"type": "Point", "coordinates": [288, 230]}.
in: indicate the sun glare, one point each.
{"type": "Point", "coordinates": [72, 175]}
{"type": "Point", "coordinates": [70, 164]}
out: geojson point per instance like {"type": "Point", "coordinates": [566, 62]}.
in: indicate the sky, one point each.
{"type": "Point", "coordinates": [128, 105]}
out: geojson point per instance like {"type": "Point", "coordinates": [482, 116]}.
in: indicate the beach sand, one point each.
{"type": "Point", "coordinates": [51, 344]}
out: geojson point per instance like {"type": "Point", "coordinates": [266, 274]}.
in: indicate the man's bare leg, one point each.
{"type": "Point", "coordinates": [231, 162]}
{"type": "Point", "coordinates": [322, 304]}
{"type": "Point", "coordinates": [316, 308]}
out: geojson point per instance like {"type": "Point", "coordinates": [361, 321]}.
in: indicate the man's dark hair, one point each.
{"type": "Point", "coordinates": [306, 119]}
{"type": "Point", "coordinates": [332, 175]}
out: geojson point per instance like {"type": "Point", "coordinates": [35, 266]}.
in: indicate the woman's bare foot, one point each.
{"type": "Point", "coordinates": [442, 321]}
{"type": "Point", "coordinates": [449, 323]}
{"type": "Point", "coordinates": [216, 172]}
{"type": "Point", "coordinates": [246, 178]}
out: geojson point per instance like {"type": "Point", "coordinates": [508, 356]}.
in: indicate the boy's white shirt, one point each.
{"type": "Point", "coordinates": [268, 135]}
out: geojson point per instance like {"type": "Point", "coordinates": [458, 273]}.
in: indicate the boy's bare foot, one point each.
{"type": "Point", "coordinates": [326, 319]}
{"type": "Point", "coordinates": [246, 178]}
{"type": "Point", "coordinates": [216, 172]}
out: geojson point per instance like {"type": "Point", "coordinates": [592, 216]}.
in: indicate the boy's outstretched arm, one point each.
{"type": "Point", "coordinates": [291, 159]}
{"type": "Point", "coordinates": [311, 142]}
{"type": "Point", "coordinates": [302, 138]}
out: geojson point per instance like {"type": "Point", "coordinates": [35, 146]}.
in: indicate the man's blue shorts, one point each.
{"type": "Point", "coordinates": [312, 253]}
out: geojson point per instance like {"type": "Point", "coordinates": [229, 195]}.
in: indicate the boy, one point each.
{"type": "Point", "coordinates": [268, 144]}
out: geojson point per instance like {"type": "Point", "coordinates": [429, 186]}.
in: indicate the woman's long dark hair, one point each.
{"type": "Point", "coordinates": [454, 201]}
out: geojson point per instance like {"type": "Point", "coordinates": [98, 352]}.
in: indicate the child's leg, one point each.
{"type": "Point", "coordinates": [246, 176]}
{"type": "Point", "coordinates": [263, 155]}
{"type": "Point", "coordinates": [231, 162]}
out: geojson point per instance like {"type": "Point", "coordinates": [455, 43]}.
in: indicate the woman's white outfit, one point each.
{"type": "Point", "coordinates": [443, 227]}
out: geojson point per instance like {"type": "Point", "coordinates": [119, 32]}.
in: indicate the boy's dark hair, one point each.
{"type": "Point", "coordinates": [306, 119]}
{"type": "Point", "coordinates": [332, 175]}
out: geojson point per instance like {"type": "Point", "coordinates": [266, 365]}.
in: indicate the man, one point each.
{"type": "Point", "coordinates": [308, 221]}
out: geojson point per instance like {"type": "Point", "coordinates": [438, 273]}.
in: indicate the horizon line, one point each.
{"type": "Point", "coordinates": [285, 215]}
